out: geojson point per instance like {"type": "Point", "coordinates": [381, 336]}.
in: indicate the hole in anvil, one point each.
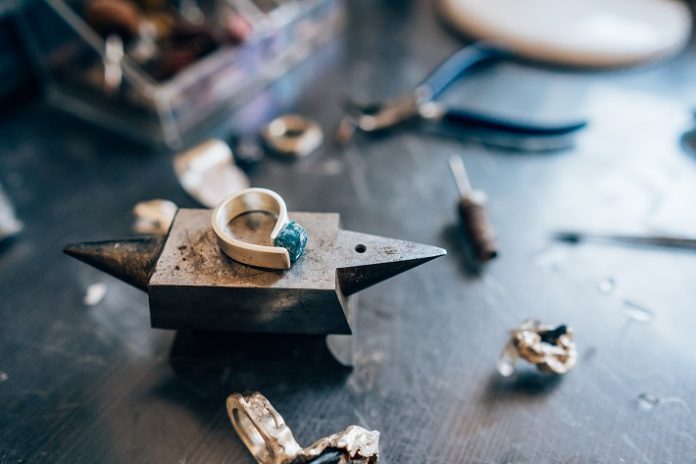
{"type": "Point", "coordinates": [253, 227]}
{"type": "Point", "coordinates": [360, 248]}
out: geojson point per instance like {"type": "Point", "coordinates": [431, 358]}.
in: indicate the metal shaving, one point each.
{"type": "Point", "coordinates": [95, 293]}
{"type": "Point", "coordinates": [355, 444]}
{"type": "Point", "coordinates": [153, 216]}
{"type": "Point", "coordinates": [550, 348]}
{"type": "Point", "coordinates": [9, 225]}
{"type": "Point", "coordinates": [207, 172]}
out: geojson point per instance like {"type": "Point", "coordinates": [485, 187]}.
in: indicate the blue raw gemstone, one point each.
{"type": "Point", "coordinates": [293, 238]}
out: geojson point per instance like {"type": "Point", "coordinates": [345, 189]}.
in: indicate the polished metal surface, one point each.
{"type": "Point", "coordinates": [254, 254]}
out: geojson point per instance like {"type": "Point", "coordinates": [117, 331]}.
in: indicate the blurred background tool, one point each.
{"type": "Point", "coordinates": [472, 211]}
{"type": "Point", "coordinates": [641, 240]}
{"type": "Point", "coordinates": [590, 33]}
{"type": "Point", "coordinates": [421, 104]}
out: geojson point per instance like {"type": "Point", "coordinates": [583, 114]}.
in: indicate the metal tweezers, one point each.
{"type": "Point", "coordinates": [421, 103]}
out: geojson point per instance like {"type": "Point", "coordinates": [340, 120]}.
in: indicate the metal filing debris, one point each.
{"type": "Point", "coordinates": [95, 294]}
{"type": "Point", "coordinates": [270, 440]}
{"type": "Point", "coordinates": [9, 225]}
{"type": "Point", "coordinates": [192, 284]}
{"type": "Point", "coordinates": [472, 211]}
{"type": "Point", "coordinates": [550, 348]}
{"type": "Point", "coordinates": [153, 216]}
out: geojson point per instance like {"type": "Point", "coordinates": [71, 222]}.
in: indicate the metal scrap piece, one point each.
{"type": "Point", "coordinates": [207, 172]}
{"type": "Point", "coordinates": [270, 440]}
{"type": "Point", "coordinates": [354, 444]}
{"type": "Point", "coordinates": [95, 294]}
{"type": "Point", "coordinates": [550, 348]}
{"type": "Point", "coordinates": [9, 224]}
{"type": "Point", "coordinates": [153, 216]}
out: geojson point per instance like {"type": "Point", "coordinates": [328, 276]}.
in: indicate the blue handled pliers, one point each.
{"type": "Point", "coordinates": [422, 103]}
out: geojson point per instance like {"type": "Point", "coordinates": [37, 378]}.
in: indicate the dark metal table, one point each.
{"type": "Point", "coordinates": [95, 384]}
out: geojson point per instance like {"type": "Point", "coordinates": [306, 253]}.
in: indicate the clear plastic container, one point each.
{"type": "Point", "coordinates": [72, 59]}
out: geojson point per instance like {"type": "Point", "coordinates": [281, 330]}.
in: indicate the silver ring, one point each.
{"type": "Point", "coordinates": [262, 429]}
{"type": "Point", "coordinates": [293, 135]}
{"type": "Point", "coordinates": [288, 237]}
{"type": "Point", "coordinates": [270, 440]}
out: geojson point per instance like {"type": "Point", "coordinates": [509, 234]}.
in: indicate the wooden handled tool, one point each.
{"type": "Point", "coordinates": [472, 211]}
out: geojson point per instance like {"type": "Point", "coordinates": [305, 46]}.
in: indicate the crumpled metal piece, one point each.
{"type": "Point", "coordinates": [9, 224]}
{"type": "Point", "coordinates": [550, 348]}
{"type": "Point", "coordinates": [154, 216]}
{"type": "Point", "coordinates": [207, 172]}
{"type": "Point", "coordinates": [270, 441]}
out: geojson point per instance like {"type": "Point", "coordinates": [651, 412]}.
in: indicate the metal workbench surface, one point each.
{"type": "Point", "coordinates": [87, 384]}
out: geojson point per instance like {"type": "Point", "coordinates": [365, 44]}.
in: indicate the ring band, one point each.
{"type": "Point", "coordinates": [262, 428]}
{"type": "Point", "coordinates": [293, 135]}
{"type": "Point", "coordinates": [288, 237]}
{"type": "Point", "coordinates": [270, 440]}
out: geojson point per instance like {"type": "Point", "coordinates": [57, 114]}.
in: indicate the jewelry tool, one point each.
{"type": "Point", "coordinates": [472, 212]}
{"type": "Point", "coordinates": [192, 284]}
{"type": "Point", "coordinates": [422, 104]}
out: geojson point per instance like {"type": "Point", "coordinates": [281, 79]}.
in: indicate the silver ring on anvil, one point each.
{"type": "Point", "coordinates": [289, 238]}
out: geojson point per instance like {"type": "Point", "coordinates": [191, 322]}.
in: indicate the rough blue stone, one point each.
{"type": "Point", "coordinates": [293, 238]}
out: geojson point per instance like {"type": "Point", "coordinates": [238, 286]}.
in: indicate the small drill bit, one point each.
{"type": "Point", "coordinates": [471, 207]}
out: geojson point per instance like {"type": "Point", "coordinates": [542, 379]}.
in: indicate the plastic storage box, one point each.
{"type": "Point", "coordinates": [71, 58]}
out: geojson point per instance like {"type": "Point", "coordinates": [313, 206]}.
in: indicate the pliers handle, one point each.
{"type": "Point", "coordinates": [457, 65]}
{"type": "Point", "coordinates": [422, 101]}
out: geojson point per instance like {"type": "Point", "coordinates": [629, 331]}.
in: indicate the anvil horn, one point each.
{"type": "Point", "coordinates": [380, 258]}
{"type": "Point", "coordinates": [133, 261]}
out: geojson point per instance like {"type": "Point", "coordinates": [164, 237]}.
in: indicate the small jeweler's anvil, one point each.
{"type": "Point", "coordinates": [192, 285]}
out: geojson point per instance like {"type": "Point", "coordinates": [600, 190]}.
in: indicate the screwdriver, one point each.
{"type": "Point", "coordinates": [472, 212]}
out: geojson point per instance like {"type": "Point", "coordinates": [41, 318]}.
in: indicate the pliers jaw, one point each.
{"type": "Point", "coordinates": [378, 116]}
{"type": "Point", "coordinates": [421, 104]}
